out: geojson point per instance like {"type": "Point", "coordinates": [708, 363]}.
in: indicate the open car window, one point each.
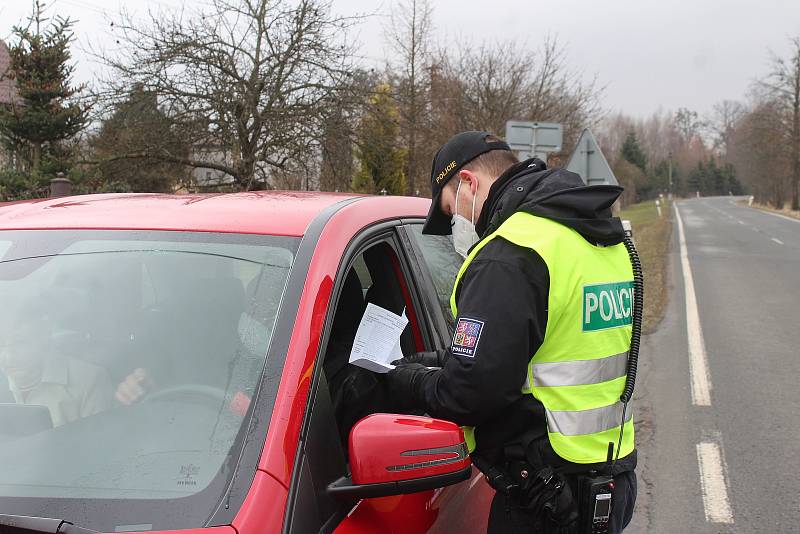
{"type": "Point", "coordinates": [442, 262]}
{"type": "Point", "coordinates": [373, 278]}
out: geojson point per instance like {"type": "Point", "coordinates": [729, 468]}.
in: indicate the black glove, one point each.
{"type": "Point", "coordinates": [428, 359]}
{"type": "Point", "coordinates": [404, 384]}
{"type": "Point", "coordinates": [548, 497]}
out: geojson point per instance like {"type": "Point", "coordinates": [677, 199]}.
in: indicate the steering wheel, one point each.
{"type": "Point", "coordinates": [208, 392]}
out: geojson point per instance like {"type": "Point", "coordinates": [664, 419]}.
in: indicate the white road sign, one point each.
{"type": "Point", "coordinates": [588, 160]}
{"type": "Point", "coordinates": [529, 138]}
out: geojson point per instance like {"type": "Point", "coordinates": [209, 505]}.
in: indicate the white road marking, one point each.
{"type": "Point", "coordinates": [740, 222]}
{"type": "Point", "coordinates": [778, 215]}
{"type": "Point", "coordinates": [713, 483]}
{"type": "Point", "coordinates": [719, 211]}
{"type": "Point", "coordinates": [778, 241]}
{"type": "Point", "coordinates": [698, 362]}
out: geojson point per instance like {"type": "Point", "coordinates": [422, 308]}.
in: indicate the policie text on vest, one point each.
{"type": "Point", "coordinates": [607, 306]}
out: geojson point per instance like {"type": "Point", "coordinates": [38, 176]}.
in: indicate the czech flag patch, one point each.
{"type": "Point", "coordinates": [467, 335]}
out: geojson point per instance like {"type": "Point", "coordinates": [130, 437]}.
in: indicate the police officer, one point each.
{"type": "Point", "coordinates": [542, 307]}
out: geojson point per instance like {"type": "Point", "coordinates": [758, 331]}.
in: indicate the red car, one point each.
{"type": "Point", "coordinates": [236, 315]}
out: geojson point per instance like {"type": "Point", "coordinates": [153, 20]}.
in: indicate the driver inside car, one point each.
{"type": "Point", "coordinates": [183, 352]}
{"type": "Point", "coordinates": [38, 374]}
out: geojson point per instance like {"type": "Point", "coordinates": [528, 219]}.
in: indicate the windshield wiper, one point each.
{"type": "Point", "coordinates": [46, 525]}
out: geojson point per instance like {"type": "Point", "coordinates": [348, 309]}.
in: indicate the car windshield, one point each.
{"type": "Point", "coordinates": [127, 364]}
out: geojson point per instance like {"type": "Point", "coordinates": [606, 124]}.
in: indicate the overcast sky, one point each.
{"type": "Point", "coordinates": [649, 55]}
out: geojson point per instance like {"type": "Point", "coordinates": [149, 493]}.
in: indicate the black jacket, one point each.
{"type": "Point", "coordinates": [503, 298]}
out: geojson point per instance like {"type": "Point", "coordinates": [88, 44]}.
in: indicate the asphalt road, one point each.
{"type": "Point", "coordinates": [718, 399]}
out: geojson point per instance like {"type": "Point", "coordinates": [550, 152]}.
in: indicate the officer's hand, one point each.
{"type": "Point", "coordinates": [428, 359]}
{"type": "Point", "coordinates": [404, 384]}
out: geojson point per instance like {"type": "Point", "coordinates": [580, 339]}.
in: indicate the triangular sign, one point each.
{"type": "Point", "coordinates": [588, 161]}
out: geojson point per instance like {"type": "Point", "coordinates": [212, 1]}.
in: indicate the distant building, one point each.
{"type": "Point", "coordinates": [204, 178]}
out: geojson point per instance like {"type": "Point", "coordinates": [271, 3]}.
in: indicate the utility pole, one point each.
{"type": "Point", "coordinates": [796, 127]}
{"type": "Point", "coordinates": [669, 166]}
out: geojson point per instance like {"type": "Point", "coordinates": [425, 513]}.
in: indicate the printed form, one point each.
{"type": "Point", "coordinates": [377, 341]}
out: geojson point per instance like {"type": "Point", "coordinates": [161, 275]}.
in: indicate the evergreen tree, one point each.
{"type": "Point", "coordinates": [629, 176]}
{"type": "Point", "coordinates": [381, 160]}
{"type": "Point", "coordinates": [696, 178]}
{"type": "Point", "coordinates": [633, 153]}
{"type": "Point", "coordinates": [717, 179]}
{"type": "Point", "coordinates": [734, 185]}
{"type": "Point", "coordinates": [45, 113]}
{"type": "Point", "coordinates": [138, 126]}
{"type": "Point", "coordinates": [660, 179]}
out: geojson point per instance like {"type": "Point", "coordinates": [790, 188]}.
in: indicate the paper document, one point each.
{"type": "Point", "coordinates": [377, 341]}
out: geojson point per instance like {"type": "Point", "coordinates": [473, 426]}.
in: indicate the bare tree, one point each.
{"type": "Point", "coordinates": [783, 85]}
{"type": "Point", "coordinates": [670, 140]}
{"type": "Point", "coordinates": [491, 84]}
{"type": "Point", "coordinates": [561, 94]}
{"type": "Point", "coordinates": [722, 122]}
{"type": "Point", "coordinates": [409, 35]}
{"type": "Point", "coordinates": [658, 137]}
{"type": "Point", "coordinates": [485, 86]}
{"type": "Point", "coordinates": [758, 151]}
{"type": "Point", "coordinates": [249, 77]}
{"type": "Point", "coordinates": [612, 132]}
{"type": "Point", "coordinates": [336, 149]}
{"type": "Point", "coordinates": [340, 133]}
{"type": "Point", "coordinates": [688, 123]}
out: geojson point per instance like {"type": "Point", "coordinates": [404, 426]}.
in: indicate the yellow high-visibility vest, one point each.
{"type": "Point", "coordinates": [579, 371]}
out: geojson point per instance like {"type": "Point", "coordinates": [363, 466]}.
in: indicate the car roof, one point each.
{"type": "Point", "coordinates": [257, 212]}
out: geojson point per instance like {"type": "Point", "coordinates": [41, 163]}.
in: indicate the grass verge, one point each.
{"type": "Point", "coordinates": [786, 212]}
{"type": "Point", "coordinates": [651, 234]}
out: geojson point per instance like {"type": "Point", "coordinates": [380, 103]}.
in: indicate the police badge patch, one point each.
{"type": "Point", "coordinates": [465, 340]}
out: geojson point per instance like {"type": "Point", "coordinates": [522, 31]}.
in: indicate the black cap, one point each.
{"type": "Point", "coordinates": [454, 154]}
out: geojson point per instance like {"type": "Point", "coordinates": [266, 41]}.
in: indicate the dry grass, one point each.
{"type": "Point", "coordinates": [785, 211]}
{"type": "Point", "coordinates": [651, 234]}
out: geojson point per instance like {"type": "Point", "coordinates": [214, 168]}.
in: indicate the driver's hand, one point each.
{"type": "Point", "coordinates": [135, 386]}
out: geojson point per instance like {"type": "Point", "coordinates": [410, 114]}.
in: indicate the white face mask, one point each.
{"type": "Point", "coordinates": [464, 235]}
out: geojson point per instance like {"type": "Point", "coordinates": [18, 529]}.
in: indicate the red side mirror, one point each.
{"type": "Point", "coordinates": [393, 454]}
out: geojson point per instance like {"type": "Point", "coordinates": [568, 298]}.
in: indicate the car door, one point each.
{"type": "Point", "coordinates": [464, 507]}
{"type": "Point", "coordinates": [373, 269]}
{"type": "Point", "coordinates": [382, 255]}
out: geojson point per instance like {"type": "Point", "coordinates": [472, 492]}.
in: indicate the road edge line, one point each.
{"type": "Point", "coordinates": [698, 361]}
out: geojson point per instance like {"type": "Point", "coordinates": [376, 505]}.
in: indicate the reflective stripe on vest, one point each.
{"type": "Point", "coordinates": [579, 370]}
{"type": "Point", "coordinates": [583, 422]}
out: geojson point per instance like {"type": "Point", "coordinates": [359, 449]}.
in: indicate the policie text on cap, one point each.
{"type": "Point", "coordinates": [454, 154]}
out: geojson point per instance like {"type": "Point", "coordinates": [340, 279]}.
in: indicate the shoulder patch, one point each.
{"type": "Point", "coordinates": [467, 335]}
